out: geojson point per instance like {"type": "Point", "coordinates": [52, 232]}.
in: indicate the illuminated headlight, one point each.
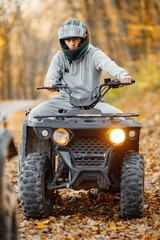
{"type": "Point", "coordinates": [44, 133]}
{"type": "Point", "coordinates": [61, 136]}
{"type": "Point", "coordinates": [117, 136]}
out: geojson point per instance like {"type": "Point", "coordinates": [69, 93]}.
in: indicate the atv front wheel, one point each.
{"type": "Point", "coordinates": [35, 174]}
{"type": "Point", "coordinates": [132, 186]}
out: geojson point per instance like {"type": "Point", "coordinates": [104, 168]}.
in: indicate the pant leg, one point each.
{"type": "Point", "coordinates": [107, 108]}
{"type": "Point", "coordinates": [50, 107]}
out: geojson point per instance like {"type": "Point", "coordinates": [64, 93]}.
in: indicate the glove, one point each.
{"type": "Point", "coordinates": [126, 79]}
{"type": "Point", "coordinates": [49, 83]}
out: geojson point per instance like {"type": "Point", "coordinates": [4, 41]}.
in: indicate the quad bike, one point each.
{"type": "Point", "coordinates": [8, 201]}
{"type": "Point", "coordinates": [81, 149]}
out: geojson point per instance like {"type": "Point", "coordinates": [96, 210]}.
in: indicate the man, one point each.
{"type": "Point", "coordinates": [79, 65]}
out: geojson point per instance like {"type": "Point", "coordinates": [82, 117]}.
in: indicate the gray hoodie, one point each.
{"type": "Point", "coordinates": [84, 74]}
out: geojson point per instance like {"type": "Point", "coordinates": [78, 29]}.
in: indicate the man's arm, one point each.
{"type": "Point", "coordinates": [54, 73]}
{"type": "Point", "coordinates": [103, 62]}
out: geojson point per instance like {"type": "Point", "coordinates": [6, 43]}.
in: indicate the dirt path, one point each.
{"type": "Point", "coordinates": [7, 108]}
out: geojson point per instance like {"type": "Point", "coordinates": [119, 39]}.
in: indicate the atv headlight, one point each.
{"type": "Point", "coordinates": [61, 136]}
{"type": "Point", "coordinates": [117, 136]}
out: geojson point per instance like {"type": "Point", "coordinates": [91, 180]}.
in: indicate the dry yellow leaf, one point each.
{"type": "Point", "coordinates": [54, 227]}
{"type": "Point", "coordinates": [112, 226]}
{"type": "Point", "coordinates": [47, 221]}
{"type": "Point", "coordinates": [122, 227]}
{"type": "Point", "coordinates": [41, 225]}
{"type": "Point", "coordinates": [149, 238]}
{"type": "Point", "coordinates": [43, 238]}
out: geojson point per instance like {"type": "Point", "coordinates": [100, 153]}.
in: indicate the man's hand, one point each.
{"type": "Point", "coordinates": [126, 79]}
{"type": "Point", "coordinates": [49, 83]}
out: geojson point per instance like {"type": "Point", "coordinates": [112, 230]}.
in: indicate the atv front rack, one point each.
{"type": "Point", "coordinates": [88, 115]}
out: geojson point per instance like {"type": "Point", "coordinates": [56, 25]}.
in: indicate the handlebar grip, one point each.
{"type": "Point", "coordinates": [38, 88]}
{"type": "Point", "coordinates": [55, 87]}
{"type": "Point", "coordinates": [46, 88]}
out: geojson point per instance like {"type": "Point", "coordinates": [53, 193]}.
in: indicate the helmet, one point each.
{"type": "Point", "coordinates": [73, 28]}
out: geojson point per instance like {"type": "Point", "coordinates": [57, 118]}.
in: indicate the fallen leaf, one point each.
{"type": "Point", "coordinates": [41, 225]}
{"type": "Point", "coordinates": [112, 226]}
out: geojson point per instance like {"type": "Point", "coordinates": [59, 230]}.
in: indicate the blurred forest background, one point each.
{"type": "Point", "coordinates": [128, 31]}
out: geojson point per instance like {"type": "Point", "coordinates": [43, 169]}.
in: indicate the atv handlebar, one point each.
{"type": "Point", "coordinates": [94, 98]}
{"type": "Point", "coordinates": [55, 88]}
{"type": "Point", "coordinates": [115, 83]}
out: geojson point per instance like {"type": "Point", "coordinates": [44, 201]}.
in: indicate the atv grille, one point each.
{"type": "Point", "coordinates": [88, 152]}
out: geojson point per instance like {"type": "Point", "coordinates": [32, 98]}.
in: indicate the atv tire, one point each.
{"type": "Point", "coordinates": [132, 186]}
{"type": "Point", "coordinates": [35, 174]}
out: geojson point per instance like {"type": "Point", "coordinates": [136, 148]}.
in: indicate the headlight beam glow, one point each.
{"type": "Point", "coordinates": [117, 136]}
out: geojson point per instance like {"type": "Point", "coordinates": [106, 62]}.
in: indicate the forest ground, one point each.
{"type": "Point", "coordinates": [84, 215]}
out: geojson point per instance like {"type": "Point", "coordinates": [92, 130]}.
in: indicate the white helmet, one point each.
{"type": "Point", "coordinates": [73, 28]}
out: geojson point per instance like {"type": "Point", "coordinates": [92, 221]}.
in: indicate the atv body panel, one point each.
{"type": "Point", "coordinates": [89, 154]}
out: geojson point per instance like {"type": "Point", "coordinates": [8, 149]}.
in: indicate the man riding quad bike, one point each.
{"type": "Point", "coordinates": [82, 148]}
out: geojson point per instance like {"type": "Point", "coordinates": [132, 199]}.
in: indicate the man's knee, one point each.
{"type": "Point", "coordinates": [31, 114]}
